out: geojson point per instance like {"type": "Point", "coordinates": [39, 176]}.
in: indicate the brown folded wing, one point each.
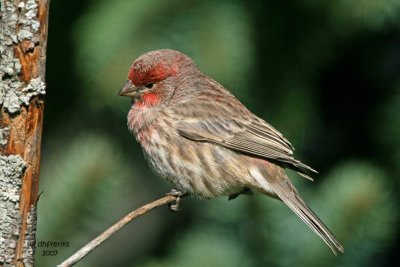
{"type": "Point", "coordinates": [253, 137]}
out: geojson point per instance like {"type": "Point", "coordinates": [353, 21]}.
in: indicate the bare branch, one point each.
{"type": "Point", "coordinates": [77, 256]}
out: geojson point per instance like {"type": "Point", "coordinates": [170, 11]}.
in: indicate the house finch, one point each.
{"type": "Point", "coordinates": [200, 138]}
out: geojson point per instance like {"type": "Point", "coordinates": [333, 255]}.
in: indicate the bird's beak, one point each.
{"type": "Point", "coordinates": [130, 90]}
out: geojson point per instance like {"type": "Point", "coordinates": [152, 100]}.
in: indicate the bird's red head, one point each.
{"type": "Point", "coordinates": [153, 67]}
{"type": "Point", "coordinates": [151, 70]}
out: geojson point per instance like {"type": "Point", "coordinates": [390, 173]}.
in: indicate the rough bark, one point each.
{"type": "Point", "coordinates": [23, 36]}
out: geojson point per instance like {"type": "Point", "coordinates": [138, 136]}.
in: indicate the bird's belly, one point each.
{"type": "Point", "coordinates": [202, 169]}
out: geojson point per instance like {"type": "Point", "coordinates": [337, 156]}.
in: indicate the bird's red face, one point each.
{"type": "Point", "coordinates": [148, 75]}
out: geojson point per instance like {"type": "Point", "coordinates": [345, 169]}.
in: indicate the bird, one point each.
{"type": "Point", "coordinates": [200, 138]}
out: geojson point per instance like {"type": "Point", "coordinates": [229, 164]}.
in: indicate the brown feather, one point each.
{"type": "Point", "coordinates": [236, 135]}
{"type": "Point", "coordinates": [224, 121]}
{"type": "Point", "coordinates": [284, 189]}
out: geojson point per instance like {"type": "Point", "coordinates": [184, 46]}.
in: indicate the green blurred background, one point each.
{"type": "Point", "coordinates": [325, 73]}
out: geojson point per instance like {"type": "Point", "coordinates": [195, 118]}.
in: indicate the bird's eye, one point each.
{"type": "Point", "coordinates": [149, 85]}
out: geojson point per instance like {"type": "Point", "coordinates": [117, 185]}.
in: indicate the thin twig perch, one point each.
{"type": "Point", "coordinates": [77, 256]}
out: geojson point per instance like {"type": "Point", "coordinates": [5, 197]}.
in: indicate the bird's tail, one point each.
{"type": "Point", "coordinates": [299, 207]}
{"type": "Point", "coordinates": [284, 189]}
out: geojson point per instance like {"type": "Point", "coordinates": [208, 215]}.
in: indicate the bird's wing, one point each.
{"type": "Point", "coordinates": [248, 135]}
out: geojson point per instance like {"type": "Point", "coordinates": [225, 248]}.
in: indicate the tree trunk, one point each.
{"type": "Point", "coordinates": [23, 39]}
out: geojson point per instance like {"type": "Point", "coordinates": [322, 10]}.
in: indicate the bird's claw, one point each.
{"type": "Point", "coordinates": [178, 194]}
{"type": "Point", "coordinates": [245, 191]}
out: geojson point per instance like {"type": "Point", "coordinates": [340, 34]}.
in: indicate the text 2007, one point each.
{"type": "Point", "coordinates": [49, 252]}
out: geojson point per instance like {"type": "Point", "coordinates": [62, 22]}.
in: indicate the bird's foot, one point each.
{"type": "Point", "coordinates": [179, 195]}
{"type": "Point", "coordinates": [245, 191]}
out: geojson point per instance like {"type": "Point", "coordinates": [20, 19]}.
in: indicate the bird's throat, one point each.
{"type": "Point", "coordinates": [147, 100]}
